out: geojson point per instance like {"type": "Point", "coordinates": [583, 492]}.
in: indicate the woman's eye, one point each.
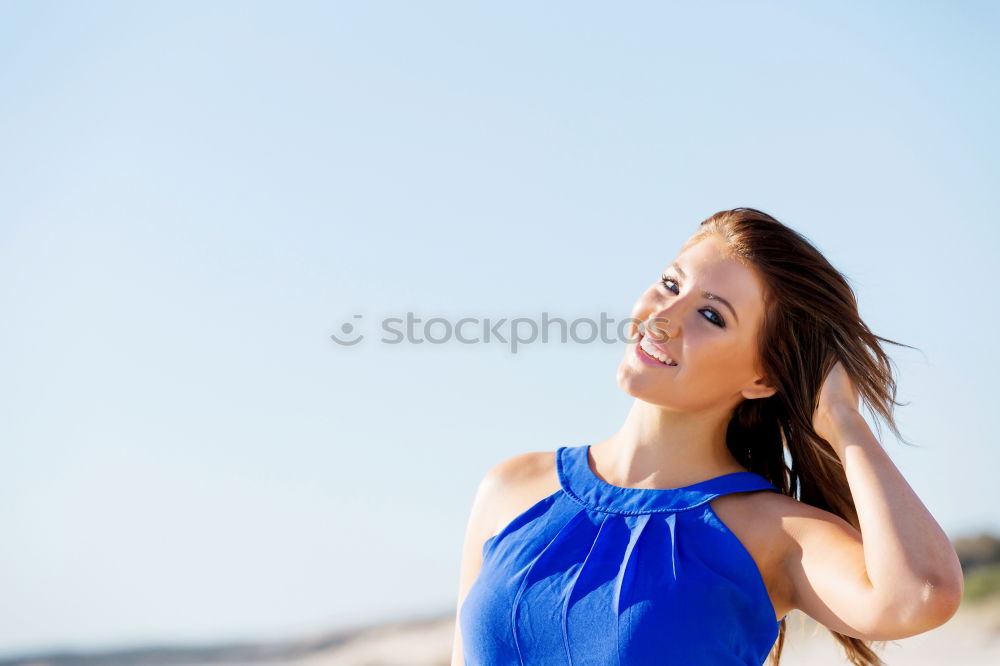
{"type": "Point", "coordinates": [664, 279]}
{"type": "Point", "coordinates": [717, 320]}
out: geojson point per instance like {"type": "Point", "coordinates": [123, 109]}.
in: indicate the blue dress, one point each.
{"type": "Point", "coordinates": [597, 574]}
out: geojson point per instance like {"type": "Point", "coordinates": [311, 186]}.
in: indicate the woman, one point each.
{"type": "Point", "coordinates": [740, 486]}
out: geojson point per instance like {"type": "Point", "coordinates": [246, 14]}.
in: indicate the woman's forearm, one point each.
{"type": "Point", "coordinates": [907, 554]}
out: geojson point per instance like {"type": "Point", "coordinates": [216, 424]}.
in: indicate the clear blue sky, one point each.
{"type": "Point", "coordinates": [194, 195]}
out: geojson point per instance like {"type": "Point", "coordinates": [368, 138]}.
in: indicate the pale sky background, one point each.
{"type": "Point", "coordinates": [194, 196]}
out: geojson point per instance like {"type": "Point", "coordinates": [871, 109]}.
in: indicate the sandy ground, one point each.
{"type": "Point", "coordinates": [970, 638]}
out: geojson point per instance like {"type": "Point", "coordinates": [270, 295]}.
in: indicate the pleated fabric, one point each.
{"type": "Point", "coordinates": [597, 574]}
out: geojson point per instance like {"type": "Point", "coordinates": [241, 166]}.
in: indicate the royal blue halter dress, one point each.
{"type": "Point", "coordinates": [597, 574]}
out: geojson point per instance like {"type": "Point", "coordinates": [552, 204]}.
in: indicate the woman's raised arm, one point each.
{"type": "Point", "coordinates": [900, 575]}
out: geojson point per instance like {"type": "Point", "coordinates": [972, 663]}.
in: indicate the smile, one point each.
{"type": "Point", "coordinates": [651, 354]}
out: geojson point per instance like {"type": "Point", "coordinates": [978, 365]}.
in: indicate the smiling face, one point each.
{"type": "Point", "coordinates": [714, 344]}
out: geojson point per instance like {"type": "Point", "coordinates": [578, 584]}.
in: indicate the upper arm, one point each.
{"type": "Point", "coordinates": [828, 577]}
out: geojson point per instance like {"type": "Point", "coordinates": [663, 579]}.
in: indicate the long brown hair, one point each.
{"type": "Point", "coordinates": [810, 322]}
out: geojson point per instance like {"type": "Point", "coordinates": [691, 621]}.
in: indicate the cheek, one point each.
{"type": "Point", "coordinates": [714, 360]}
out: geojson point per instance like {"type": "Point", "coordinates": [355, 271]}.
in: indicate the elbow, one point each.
{"type": "Point", "coordinates": [936, 602]}
{"type": "Point", "coordinates": [944, 599]}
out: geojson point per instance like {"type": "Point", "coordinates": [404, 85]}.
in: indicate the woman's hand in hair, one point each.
{"type": "Point", "coordinates": [838, 400]}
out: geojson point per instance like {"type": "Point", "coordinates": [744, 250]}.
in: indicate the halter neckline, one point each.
{"type": "Point", "coordinates": [579, 481]}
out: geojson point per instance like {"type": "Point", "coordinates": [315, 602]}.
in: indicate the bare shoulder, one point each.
{"type": "Point", "coordinates": [790, 520]}
{"type": "Point", "coordinates": [522, 467]}
{"type": "Point", "coordinates": [807, 530]}
{"type": "Point", "coordinates": [773, 527]}
{"type": "Point", "coordinates": [517, 483]}
{"type": "Point", "coordinates": [799, 519]}
{"type": "Point", "coordinates": [793, 513]}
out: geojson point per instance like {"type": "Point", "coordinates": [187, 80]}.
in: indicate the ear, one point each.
{"type": "Point", "coordinates": [759, 389]}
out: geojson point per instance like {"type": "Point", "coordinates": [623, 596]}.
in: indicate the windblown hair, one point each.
{"type": "Point", "coordinates": [810, 322]}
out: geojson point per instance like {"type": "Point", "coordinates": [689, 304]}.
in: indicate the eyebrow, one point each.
{"type": "Point", "coordinates": [709, 295]}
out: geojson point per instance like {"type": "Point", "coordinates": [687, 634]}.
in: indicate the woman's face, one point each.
{"type": "Point", "coordinates": [713, 344]}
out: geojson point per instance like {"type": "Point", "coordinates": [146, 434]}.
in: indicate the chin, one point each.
{"type": "Point", "coordinates": [642, 387]}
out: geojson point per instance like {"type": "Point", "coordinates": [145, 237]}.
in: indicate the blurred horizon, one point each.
{"type": "Point", "coordinates": [196, 196]}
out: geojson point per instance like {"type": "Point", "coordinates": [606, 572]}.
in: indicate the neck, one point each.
{"type": "Point", "coordinates": [659, 448]}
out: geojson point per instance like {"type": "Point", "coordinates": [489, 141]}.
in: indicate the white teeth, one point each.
{"type": "Point", "coordinates": [655, 353]}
